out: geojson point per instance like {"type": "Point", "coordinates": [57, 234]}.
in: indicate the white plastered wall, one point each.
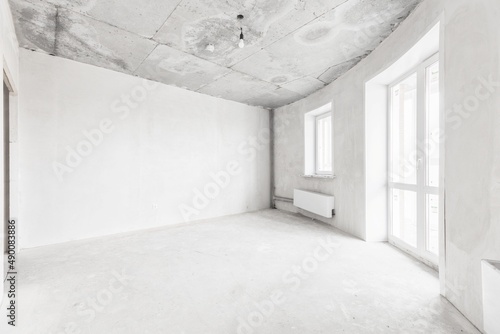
{"type": "Point", "coordinates": [471, 57]}
{"type": "Point", "coordinates": [159, 147]}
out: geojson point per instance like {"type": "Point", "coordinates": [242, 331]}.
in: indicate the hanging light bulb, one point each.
{"type": "Point", "coordinates": [241, 44]}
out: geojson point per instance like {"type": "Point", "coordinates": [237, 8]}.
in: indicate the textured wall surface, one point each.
{"type": "Point", "coordinates": [347, 95]}
{"type": "Point", "coordinates": [472, 60]}
{"type": "Point", "coordinates": [472, 101]}
{"type": "Point", "coordinates": [103, 152]}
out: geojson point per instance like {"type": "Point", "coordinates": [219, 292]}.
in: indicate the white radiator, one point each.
{"type": "Point", "coordinates": [317, 203]}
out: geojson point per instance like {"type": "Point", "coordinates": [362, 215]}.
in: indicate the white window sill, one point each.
{"type": "Point", "coordinates": [317, 176]}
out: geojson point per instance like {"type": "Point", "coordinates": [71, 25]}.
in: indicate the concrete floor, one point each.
{"type": "Point", "coordinates": [264, 272]}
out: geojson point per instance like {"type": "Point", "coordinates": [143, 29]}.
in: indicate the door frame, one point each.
{"type": "Point", "coordinates": [6, 155]}
{"type": "Point", "coordinates": [8, 79]}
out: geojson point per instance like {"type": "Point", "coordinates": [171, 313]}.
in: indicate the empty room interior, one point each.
{"type": "Point", "coordinates": [250, 166]}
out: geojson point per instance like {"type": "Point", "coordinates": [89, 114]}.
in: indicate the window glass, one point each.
{"type": "Point", "coordinates": [324, 144]}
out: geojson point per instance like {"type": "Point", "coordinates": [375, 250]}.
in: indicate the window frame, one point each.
{"type": "Point", "coordinates": [316, 143]}
{"type": "Point", "coordinates": [310, 141]}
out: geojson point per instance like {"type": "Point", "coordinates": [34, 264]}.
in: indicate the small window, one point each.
{"type": "Point", "coordinates": [324, 144]}
{"type": "Point", "coordinates": [318, 140]}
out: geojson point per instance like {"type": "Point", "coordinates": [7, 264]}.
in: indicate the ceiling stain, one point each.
{"type": "Point", "coordinates": [316, 33]}
{"type": "Point", "coordinates": [279, 80]}
{"type": "Point", "coordinates": [37, 26]}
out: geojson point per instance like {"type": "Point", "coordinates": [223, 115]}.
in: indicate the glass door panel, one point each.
{"type": "Point", "coordinates": [403, 130]}
{"type": "Point", "coordinates": [404, 214]}
{"type": "Point", "coordinates": [414, 139]}
{"type": "Point", "coordinates": [432, 125]}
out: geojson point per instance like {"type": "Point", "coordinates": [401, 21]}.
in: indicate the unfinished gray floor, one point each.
{"type": "Point", "coordinates": [264, 272]}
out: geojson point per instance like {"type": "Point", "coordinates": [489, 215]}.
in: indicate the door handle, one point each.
{"type": "Point", "coordinates": [419, 163]}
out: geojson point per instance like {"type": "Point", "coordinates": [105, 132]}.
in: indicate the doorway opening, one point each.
{"type": "Point", "coordinates": [405, 154]}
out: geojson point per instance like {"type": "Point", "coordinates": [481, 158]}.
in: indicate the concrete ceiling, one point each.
{"type": "Point", "coordinates": [293, 47]}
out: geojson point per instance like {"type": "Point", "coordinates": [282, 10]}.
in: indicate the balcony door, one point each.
{"type": "Point", "coordinates": [414, 135]}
